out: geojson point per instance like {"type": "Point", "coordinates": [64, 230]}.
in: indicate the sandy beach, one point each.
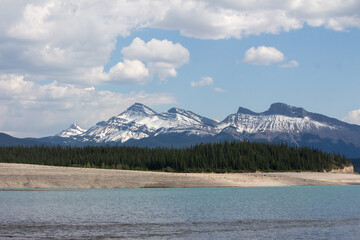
{"type": "Point", "coordinates": [14, 176]}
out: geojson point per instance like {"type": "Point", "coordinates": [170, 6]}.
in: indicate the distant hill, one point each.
{"type": "Point", "coordinates": [7, 140]}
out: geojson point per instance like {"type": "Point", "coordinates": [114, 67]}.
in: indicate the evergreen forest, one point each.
{"type": "Point", "coordinates": [212, 157]}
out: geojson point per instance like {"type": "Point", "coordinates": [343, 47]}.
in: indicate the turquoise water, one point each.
{"type": "Point", "coordinates": [316, 212]}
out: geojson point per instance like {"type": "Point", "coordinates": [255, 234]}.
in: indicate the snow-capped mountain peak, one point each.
{"type": "Point", "coordinates": [277, 109]}
{"type": "Point", "coordinates": [140, 121]}
{"type": "Point", "coordinates": [280, 122]}
{"type": "Point", "coordinates": [280, 118]}
{"type": "Point", "coordinates": [73, 130]}
{"type": "Point", "coordinates": [137, 112]}
{"type": "Point", "coordinates": [139, 108]}
{"type": "Point", "coordinates": [285, 110]}
{"type": "Point", "coordinates": [193, 116]}
{"type": "Point", "coordinates": [176, 110]}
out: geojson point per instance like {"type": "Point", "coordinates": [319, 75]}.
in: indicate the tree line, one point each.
{"type": "Point", "coordinates": [212, 157]}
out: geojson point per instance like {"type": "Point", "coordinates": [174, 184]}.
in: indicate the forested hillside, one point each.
{"type": "Point", "coordinates": [216, 157]}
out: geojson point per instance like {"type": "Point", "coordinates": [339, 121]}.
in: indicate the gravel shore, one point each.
{"type": "Point", "coordinates": [26, 176]}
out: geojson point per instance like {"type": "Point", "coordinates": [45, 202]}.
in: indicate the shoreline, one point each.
{"type": "Point", "coordinates": [18, 177]}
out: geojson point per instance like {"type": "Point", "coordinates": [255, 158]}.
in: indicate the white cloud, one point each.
{"type": "Point", "coordinates": [205, 81]}
{"type": "Point", "coordinates": [65, 40]}
{"type": "Point", "coordinates": [95, 75]}
{"type": "Point", "coordinates": [291, 64]}
{"type": "Point", "coordinates": [263, 56]}
{"type": "Point", "coordinates": [220, 90]}
{"type": "Point", "coordinates": [31, 109]}
{"type": "Point", "coordinates": [241, 18]}
{"type": "Point", "coordinates": [132, 71]}
{"type": "Point", "coordinates": [353, 117]}
{"type": "Point", "coordinates": [127, 72]}
{"type": "Point", "coordinates": [34, 25]}
{"type": "Point", "coordinates": [219, 20]}
{"type": "Point", "coordinates": [162, 56]}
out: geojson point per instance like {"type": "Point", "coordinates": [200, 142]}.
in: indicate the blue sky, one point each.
{"type": "Point", "coordinates": [64, 62]}
{"type": "Point", "coordinates": [325, 81]}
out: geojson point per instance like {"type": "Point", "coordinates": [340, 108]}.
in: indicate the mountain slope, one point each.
{"type": "Point", "coordinates": [139, 121]}
{"type": "Point", "coordinates": [139, 125]}
{"type": "Point", "coordinates": [73, 130]}
{"type": "Point", "coordinates": [294, 125]}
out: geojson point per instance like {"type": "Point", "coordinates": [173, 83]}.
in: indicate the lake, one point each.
{"type": "Point", "coordinates": [312, 212]}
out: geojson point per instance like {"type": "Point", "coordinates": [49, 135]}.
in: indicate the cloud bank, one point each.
{"type": "Point", "coordinates": [142, 62]}
{"type": "Point", "coordinates": [68, 40]}
{"type": "Point", "coordinates": [161, 56]}
{"type": "Point", "coordinates": [31, 109]}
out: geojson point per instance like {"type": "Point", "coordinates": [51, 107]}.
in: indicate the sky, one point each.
{"type": "Point", "coordinates": [64, 62]}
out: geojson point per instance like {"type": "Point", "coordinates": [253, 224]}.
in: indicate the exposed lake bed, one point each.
{"type": "Point", "coordinates": [26, 176]}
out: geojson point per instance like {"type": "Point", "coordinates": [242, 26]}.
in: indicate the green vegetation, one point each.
{"type": "Point", "coordinates": [215, 157]}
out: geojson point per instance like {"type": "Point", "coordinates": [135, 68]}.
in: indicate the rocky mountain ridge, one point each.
{"type": "Point", "coordinates": [140, 125]}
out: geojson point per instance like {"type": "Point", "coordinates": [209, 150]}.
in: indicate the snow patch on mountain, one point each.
{"type": "Point", "coordinates": [280, 122]}
{"type": "Point", "coordinates": [140, 121]}
{"type": "Point", "coordinates": [73, 130]}
{"type": "Point", "coordinates": [271, 123]}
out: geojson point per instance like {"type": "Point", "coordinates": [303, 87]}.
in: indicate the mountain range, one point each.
{"type": "Point", "coordinates": [139, 125]}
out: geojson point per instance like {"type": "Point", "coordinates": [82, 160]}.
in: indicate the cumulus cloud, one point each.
{"type": "Point", "coordinates": [263, 56]}
{"type": "Point", "coordinates": [30, 109]}
{"type": "Point", "coordinates": [353, 117]}
{"type": "Point", "coordinates": [205, 81]}
{"type": "Point", "coordinates": [291, 64]}
{"type": "Point", "coordinates": [67, 39]}
{"type": "Point", "coordinates": [126, 72]}
{"type": "Point", "coordinates": [162, 56]}
{"type": "Point", "coordinates": [132, 71]}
